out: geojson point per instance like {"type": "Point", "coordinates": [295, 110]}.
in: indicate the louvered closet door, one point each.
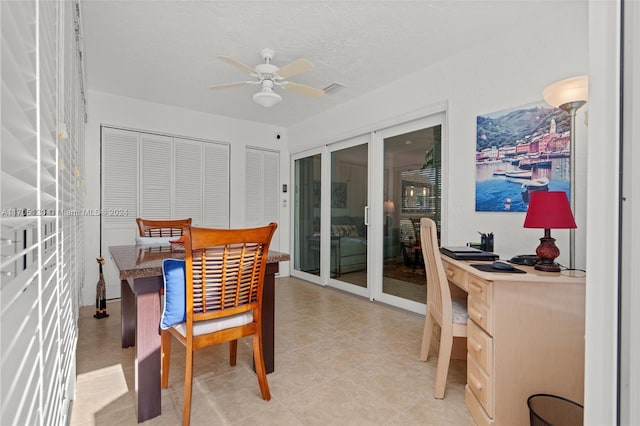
{"type": "Point", "coordinates": [159, 177]}
{"type": "Point", "coordinates": [253, 190]}
{"type": "Point", "coordinates": [120, 176]}
{"type": "Point", "coordinates": [262, 189]}
{"type": "Point", "coordinates": [155, 176]}
{"type": "Point", "coordinates": [271, 186]}
{"type": "Point", "coordinates": [188, 180]}
{"type": "Point", "coordinates": [215, 201]}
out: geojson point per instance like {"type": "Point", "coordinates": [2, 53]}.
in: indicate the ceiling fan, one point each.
{"type": "Point", "coordinates": [269, 76]}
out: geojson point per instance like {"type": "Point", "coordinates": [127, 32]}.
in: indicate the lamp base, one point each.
{"type": "Point", "coordinates": [547, 251]}
{"type": "Point", "coordinates": [550, 266]}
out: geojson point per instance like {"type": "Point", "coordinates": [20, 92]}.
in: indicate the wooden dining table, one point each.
{"type": "Point", "coordinates": [140, 269]}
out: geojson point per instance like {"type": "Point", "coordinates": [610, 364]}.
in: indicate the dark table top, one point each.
{"type": "Point", "coordinates": [135, 261]}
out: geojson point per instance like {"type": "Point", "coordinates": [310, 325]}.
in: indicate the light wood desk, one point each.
{"type": "Point", "coordinates": [525, 336]}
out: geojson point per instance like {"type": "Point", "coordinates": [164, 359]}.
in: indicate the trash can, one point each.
{"type": "Point", "coordinates": [552, 410]}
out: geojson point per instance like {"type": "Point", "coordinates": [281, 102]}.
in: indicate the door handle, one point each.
{"type": "Point", "coordinates": [366, 215]}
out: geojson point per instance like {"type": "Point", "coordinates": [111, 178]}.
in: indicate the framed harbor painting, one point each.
{"type": "Point", "coordinates": [519, 151]}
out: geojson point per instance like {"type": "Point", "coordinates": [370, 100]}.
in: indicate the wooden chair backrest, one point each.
{"type": "Point", "coordinates": [225, 271]}
{"type": "Point", "coordinates": [162, 228]}
{"type": "Point", "coordinates": [438, 293]}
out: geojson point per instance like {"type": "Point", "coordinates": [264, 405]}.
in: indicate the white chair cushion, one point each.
{"type": "Point", "coordinates": [460, 315]}
{"type": "Point", "coordinates": [211, 326]}
{"type": "Point", "coordinates": [154, 241]}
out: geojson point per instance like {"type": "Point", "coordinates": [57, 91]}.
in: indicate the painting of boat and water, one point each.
{"type": "Point", "coordinates": [520, 151]}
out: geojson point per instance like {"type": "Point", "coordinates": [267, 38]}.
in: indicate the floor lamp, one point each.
{"type": "Point", "coordinates": [570, 95]}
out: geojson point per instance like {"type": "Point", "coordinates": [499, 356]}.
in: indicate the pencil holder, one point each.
{"type": "Point", "coordinates": [486, 242]}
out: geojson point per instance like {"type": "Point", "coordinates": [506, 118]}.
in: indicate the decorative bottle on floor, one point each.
{"type": "Point", "coordinates": [101, 294]}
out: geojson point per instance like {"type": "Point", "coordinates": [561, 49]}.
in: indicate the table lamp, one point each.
{"type": "Point", "coordinates": [549, 210]}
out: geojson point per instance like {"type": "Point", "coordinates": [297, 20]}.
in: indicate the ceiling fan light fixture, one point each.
{"type": "Point", "coordinates": [269, 75]}
{"type": "Point", "coordinates": [266, 98]}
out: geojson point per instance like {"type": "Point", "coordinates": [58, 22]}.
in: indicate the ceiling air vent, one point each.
{"type": "Point", "coordinates": [333, 87]}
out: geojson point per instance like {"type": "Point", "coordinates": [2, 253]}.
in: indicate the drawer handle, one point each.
{"type": "Point", "coordinates": [477, 315]}
{"type": "Point", "coordinates": [477, 385]}
{"type": "Point", "coordinates": [475, 345]}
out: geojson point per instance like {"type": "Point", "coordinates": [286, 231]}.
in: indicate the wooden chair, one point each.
{"type": "Point", "coordinates": [224, 271]}
{"type": "Point", "coordinates": [162, 228]}
{"type": "Point", "coordinates": [450, 314]}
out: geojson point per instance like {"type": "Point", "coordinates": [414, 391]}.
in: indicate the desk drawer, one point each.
{"type": "Point", "coordinates": [476, 409]}
{"type": "Point", "coordinates": [455, 275]}
{"type": "Point", "coordinates": [480, 347]}
{"type": "Point", "coordinates": [480, 313]}
{"type": "Point", "coordinates": [480, 289]}
{"type": "Point", "coordinates": [481, 386]}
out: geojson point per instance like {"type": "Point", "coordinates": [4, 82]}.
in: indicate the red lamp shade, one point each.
{"type": "Point", "coordinates": [549, 210]}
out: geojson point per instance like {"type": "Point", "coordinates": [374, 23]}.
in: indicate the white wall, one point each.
{"type": "Point", "coordinates": [141, 115]}
{"type": "Point", "coordinates": [510, 72]}
{"type": "Point", "coordinates": [601, 339]}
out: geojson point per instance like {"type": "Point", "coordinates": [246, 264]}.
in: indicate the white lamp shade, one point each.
{"type": "Point", "coordinates": [267, 98]}
{"type": "Point", "coordinates": [566, 91]}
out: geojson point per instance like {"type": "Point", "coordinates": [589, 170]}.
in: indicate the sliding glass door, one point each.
{"type": "Point", "coordinates": [411, 189]}
{"type": "Point", "coordinates": [349, 216]}
{"type": "Point", "coordinates": [307, 209]}
{"type": "Point", "coordinates": [330, 243]}
{"type": "Point", "coordinates": [375, 252]}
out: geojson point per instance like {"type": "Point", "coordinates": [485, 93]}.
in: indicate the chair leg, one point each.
{"type": "Point", "coordinates": [426, 337]}
{"type": "Point", "coordinates": [261, 372]}
{"type": "Point", "coordinates": [165, 349]}
{"type": "Point", "coordinates": [233, 352]}
{"type": "Point", "coordinates": [444, 357]}
{"type": "Point", "coordinates": [188, 387]}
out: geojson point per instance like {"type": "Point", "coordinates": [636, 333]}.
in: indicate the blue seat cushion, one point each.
{"type": "Point", "coordinates": [175, 305]}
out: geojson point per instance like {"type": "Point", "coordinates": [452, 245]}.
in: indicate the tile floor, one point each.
{"type": "Point", "coordinates": [340, 360]}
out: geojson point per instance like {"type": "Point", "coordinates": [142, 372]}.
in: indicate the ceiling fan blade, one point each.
{"type": "Point", "coordinates": [237, 64]}
{"type": "Point", "coordinates": [296, 67]}
{"type": "Point", "coordinates": [235, 84]}
{"type": "Point", "coordinates": [305, 90]}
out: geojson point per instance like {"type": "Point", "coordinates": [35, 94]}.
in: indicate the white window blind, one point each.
{"type": "Point", "coordinates": [40, 195]}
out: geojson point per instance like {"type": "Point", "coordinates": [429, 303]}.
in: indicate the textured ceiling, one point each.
{"type": "Point", "coordinates": [166, 51]}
